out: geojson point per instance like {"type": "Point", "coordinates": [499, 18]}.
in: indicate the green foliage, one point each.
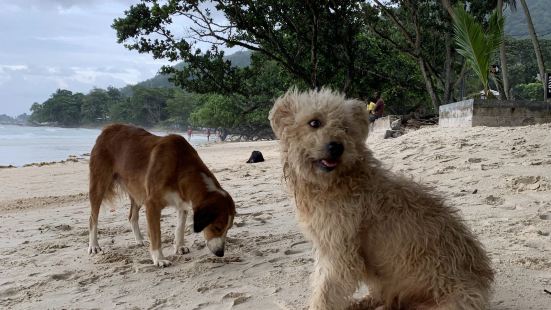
{"type": "Point", "coordinates": [94, 107]}
{"type": "Point", "coordinates": [477, 45]}
{"type": "Point", "coordinates": [299, 35]}
{"type": "Point", "coordinates": [179, 108]}
{"type": "Point", "coordinates": [63, 108]}
{"type": "Point", "coordinates": [523, 66]}
{"type": "Point", "coordinates": [531, 91]}
{"type": "Point", "coordinates": [217, 111]}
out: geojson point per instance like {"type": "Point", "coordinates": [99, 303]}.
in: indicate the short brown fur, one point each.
{"type": "Point", "coordinates": [157, 172]}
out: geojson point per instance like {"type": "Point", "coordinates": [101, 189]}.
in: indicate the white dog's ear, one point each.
{"type": "Point", "coordinates": [359, 117]}
{"type": "Point", "coordinates": [281, 114]}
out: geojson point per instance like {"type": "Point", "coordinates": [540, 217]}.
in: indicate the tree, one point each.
{"type": "Point", "coordinates": [299, 35]}
{"type": "Point", "coordinates": [476, 45]}
{"type": "Point", "coordinates": [535, 42]}
{"type": "Point", "coordinates": [180, 106]}
{"type": "Point", "coordinates": [148, 105]}
{"type": "Point", "coordinates": [95, 106]}
{"type": "Point", "coordinates": [63, 108]}
{"type": "Point", "coordinates": [503, 58]}
{"type": "Point", "coordinates": [245, 116]}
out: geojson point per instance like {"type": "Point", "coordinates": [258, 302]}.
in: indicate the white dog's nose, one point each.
{"type": "Point", "coordinates": [335, 149]}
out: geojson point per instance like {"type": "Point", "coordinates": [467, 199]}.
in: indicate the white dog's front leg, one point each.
{"type": "Point", "coordinates": [180, 233]}
{"type": "Point", "coordinates": [331, 289]}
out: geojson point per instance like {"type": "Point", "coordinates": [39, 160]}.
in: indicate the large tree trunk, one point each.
{"type": "Point", "coordinates": [503, 59]}
{"type": "Point", "coordinates": [428, 84]}
{"type": "Point", "coordinates": [537, 50]}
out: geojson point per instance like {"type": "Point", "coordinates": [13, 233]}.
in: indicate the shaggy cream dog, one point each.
{"type": "Point", "coordinates": [366, 224]}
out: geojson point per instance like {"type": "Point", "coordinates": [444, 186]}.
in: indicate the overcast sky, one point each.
{"type": "Point", "coordinates": [50, 44]}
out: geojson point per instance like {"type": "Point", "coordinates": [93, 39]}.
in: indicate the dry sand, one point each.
{"type": "Point", "coordinates": [500, 179]}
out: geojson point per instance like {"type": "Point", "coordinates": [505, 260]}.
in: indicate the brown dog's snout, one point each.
{"type": "Point", "coordinates": [335, 149]}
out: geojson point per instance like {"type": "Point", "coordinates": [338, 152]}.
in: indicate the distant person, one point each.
{"type": "Point", "coordinates": [370, 107]}
{"type": "Point", "coordinates": [208, 134]}
{"type": "Point", "coordinates": [379, 108]}
{"type": "Point", "coordinates": [189, 132]}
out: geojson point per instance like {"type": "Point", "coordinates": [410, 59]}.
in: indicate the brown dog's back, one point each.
{"type": "Point", "coordinates": [123, 155]}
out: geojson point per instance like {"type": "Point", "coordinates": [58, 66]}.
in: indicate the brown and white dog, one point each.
{"type": "Point", "coordinates": [158, 172]}
{"type": "Point", "coordinates": [368, 225]}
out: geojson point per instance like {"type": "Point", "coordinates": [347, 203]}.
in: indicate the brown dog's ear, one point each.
{"type": "Point", "coordinates": [281, 115]}
{"type": "Point", "coordinates": [359, 117]}
{"type": "Point", "coordinates": [203, 217]}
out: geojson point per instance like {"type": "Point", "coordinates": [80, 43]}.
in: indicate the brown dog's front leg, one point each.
{"type": "Point", "coordinates": [153, 214]}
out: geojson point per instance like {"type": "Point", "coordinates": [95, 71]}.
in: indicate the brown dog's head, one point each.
{"type": "Point", "coordinates": [322, 134]}
{"type": "Point", "coordinates": [214, 217]}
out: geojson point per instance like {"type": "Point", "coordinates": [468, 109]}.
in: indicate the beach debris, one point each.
{"type": "Point", "coordinates": [392, 134]}
{"type": "Point", "coordinates": [396, 125]}
{"type": "Point", "coordinates": [256, 157]}
{"type": "Point", "coordinates": [63, 227]}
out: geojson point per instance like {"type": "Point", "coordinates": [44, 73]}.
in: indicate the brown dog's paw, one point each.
{"type": "Point", "coordinates": [181, 250]}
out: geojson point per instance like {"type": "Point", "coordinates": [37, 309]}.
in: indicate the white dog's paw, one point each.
{"type": "Point", "coordinates": [181, 250]}
{"type": "Point", "coordinates": [162, 263]}
{"type": "Point", "coordinates": [94, 249]}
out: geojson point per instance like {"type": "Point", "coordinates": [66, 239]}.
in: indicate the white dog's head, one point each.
{"type": "Point", "coordinates": [322, 134]}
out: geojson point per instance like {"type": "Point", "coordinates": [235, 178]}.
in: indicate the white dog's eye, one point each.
{"type": "Point", "coordinates": [314, 123]}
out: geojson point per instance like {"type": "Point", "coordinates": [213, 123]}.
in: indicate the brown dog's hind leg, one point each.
{"type": "Point", "coordinates": [153, 215]}
{"type": "Point", "coordinates": [97, 192]}
{"type": "Point", "coordinates": [133, 218]}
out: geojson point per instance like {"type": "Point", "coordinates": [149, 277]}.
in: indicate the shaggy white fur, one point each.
{"type": "Point", "coordinates": [366, 224]}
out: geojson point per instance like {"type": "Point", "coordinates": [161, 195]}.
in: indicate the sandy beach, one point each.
{"type": "Point", "coordinates": [500, 179]}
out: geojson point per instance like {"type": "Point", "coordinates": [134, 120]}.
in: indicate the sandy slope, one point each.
{"type": "Point", "coordinates": [500, 178]}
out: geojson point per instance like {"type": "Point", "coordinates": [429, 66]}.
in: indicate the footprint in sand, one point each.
{"type": "Point", "coordinates": [62, 276]}
{"type": "Point", "coordinates": [111, 257]}
{"type": "Point", "coordinates": [298, 247]}
{"type": "Point", "coordinates": [493, 200]}
{"type": "Point", "coordinates": [528, 183]}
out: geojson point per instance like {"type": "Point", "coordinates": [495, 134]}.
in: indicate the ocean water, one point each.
{"type": "Point", "coordinates": [20, 145]}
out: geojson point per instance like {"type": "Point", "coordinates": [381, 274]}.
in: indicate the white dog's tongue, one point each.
{"type": "Point", "coordinates": [329, 163]}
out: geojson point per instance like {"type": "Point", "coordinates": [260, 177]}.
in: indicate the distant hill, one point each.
{"type": "Point", "coordinates": [515, 22]}
{"type": "Point", "coordinates": [238, 59]}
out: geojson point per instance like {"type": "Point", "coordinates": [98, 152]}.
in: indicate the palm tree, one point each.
{"type": "Point", "coordinates": [477, 45]}
{"type": "Point", "coordinates": [535, 42]}
{"type": "Point", "coordinates": [502, 54]}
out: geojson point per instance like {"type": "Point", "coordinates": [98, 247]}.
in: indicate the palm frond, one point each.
{"type": "Point", "coordinates": [495, 32]}
{"type": "Point", "coordinates": [471, 43]}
